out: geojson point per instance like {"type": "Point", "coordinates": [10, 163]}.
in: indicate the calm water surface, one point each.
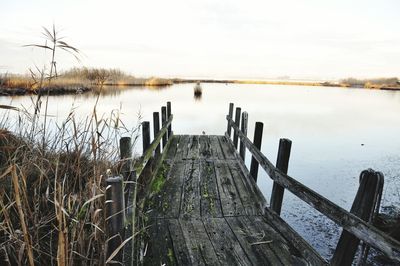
{"type": "Point", "coordinates": [327, 126]}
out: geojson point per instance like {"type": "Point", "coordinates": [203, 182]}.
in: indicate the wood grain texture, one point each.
{"type": "Point", "coordinates": [209, 211]}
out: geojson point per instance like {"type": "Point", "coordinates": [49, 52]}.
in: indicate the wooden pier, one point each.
{"type": "Point", "coordinates": [190, 200]}
{"type": "Point", "coordinates": [208, 211]}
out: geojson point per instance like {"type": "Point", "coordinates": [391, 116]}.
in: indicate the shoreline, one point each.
{"type": "Point", "coordinates": [80, 89]}
{"type": "Point", "coordinates": [289, 83]}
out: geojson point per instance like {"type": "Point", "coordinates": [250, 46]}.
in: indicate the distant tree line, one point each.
{"type": "Point", "coordinates": [394, 81]}
{"type": "Point", "coordinates": [98, 76]}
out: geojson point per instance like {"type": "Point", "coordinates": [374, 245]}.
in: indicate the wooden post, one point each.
{"type": "Point", "coordinates": [133, 252]}
{"type": "Point", "coordinates": [168, 117]}
{"type": "Point", "coordinates": [156, 129]}
{"type": "Point", "coordinates": [364, 205]}
{"type": "Point", "coordinates": [145, 135]}
{"type": "Point", "coordinates": [257, 143]}
{"type": "Point", "coordinates": [242, 151]}
{"type": "Point", "coordinates": [126, 155]}
{"type": "Point", "coordinates": [115, 217]}
{"type": "Point", "coordinates": [282, 163]}
{"type": "Point", "coordinates": [163, 122]}
{"type": "Point", "coordinates": [126, 166]}
{"type": "Point", "coordinates": [237, 123]}
{"type": "Point", "coordinates": [229, 129]}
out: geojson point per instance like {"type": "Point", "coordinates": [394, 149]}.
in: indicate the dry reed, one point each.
{"type": "Point", "coordinates": [52, 187]}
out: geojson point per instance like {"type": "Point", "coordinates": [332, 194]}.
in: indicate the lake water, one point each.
{"type": "Point", "coordinates": [336, 133]}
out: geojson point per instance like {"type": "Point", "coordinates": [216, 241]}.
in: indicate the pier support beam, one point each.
{"type": "Point", "coordinates": [237, 123]}
{"type": "Point", "coordinates": [168, 116]}
{"type": "Point", "coordinates": [242, 150]}
{"type": "Point", "coordinates": [115, 217]}
{"type": "Point", "coordinates": [258, 132]}
{"type": "Point", "coordinates": [230, 114]}
{"type": "Point", "coordinates": [282, 163]}
{"type": "Point", "coordinates": [156, 129]}
{"type": "Point", "coordinates": [163, 122]}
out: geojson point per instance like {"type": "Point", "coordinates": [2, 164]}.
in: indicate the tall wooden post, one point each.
{"type": "Point", "coordinates": [115, 217]}
{"type": "Point", "coordinates": [126, 166]}
{"type": "Point", "coordinates": [282, 163]}
{"type": "Point", "coordinates": [230, 115]}
{"type": "Point", "coordinates": [168, 117]}
{"type": "Point", "coordinates": [163, 122]}
{"type": "Point", "coordinates": [156, 129]}
{"type": "Point", "coordinates": [258, 132]}
{"type": "Point", "coordinates": [237, 123]}
{"type": "Point", "coordinates": [242, 150]}
{"type": "Point", "coordinates": [145, 135]}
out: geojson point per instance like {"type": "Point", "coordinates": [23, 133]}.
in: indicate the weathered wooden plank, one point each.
{"type": "Point", "coordinates": [228, 150]}
{"type": "Point", "coordinates": [156, 197]}
{"type": "Point", "coordinates": [226, 245]}
{"type": "Point", "coordinates": [160, 249]}
{"type": "Point", "coordinates": [261, 243]}
{"type": "Point", "coordinates": [216, 148]}
{"type": "Point", "coordinates": [172, 148]}
{"type": "Point", "coordinates": [193, 147]}
{"type": "Point", "coordinates": [210, 202]}
{"type": "Point", "coordinates": [180, 250]}
{"type": "Point", "coordinates": [251, 184]}
{"type": "Point", "coordinates": [246, 193]}
{"type": "Point", "coordinates": [230, 201]}
{"type": "Point", "coordinates": [166, 190]}
{"type": "Point", "coordinates": [205, 151]}
{"type": "Point", "coordinates": [293, 238]}
{"type": "Point", "coordinates": [362, 230]}
{"type": "Point", "coordinates": [190, 206]}
{"type": "Point", "coordinates": [199, 246]}
{"type": "Point", "coordinates": [182, 149]}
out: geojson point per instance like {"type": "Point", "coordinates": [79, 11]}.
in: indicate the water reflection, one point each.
{"type": "Point", "coordinates": [197, 91]}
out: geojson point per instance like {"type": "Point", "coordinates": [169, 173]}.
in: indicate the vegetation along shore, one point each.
{"type": "Point", "coordinates": [81, 80]}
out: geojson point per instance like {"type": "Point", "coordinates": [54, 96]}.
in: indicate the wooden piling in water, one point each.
{"type": "Point", "coordinates": [364, 205]}
{"type": "Point", "coordinates": [282, 163]}
{"type": "Point", "coordinates": [115, 217]}
{"type": "Point", "coordinates": [242, 150]}
{"type": "Point", "coordinates": [156, 129]}
{"type": "Point", "coordinates": [163, 121]}
{"type": "Point", "coordinates": [230, 114]}
{"type": "Point", "coordinates": [258, 131]}
{"type": "Point", "coordinates": [237, 123]}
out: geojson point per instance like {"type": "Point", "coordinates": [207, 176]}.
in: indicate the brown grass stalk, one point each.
{"type": "Point", "coordinates": [28, 243]}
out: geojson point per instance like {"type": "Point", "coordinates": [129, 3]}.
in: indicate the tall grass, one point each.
{"type": "Point", "coordinates": [52, 186]}
{"type": "Point", "coordinates": [76, 78]}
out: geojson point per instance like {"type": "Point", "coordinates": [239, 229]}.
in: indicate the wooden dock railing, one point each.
{"type": "Point", "coordinates": [122, 191]}
{"type": "Point", "coordinates": [350, 222]}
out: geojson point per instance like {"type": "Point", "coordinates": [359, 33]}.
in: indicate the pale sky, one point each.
{"type": "Point", "coordinates": [204, 38]}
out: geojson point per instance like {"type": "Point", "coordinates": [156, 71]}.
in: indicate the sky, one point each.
{"type": "Point", "coordinates": [302, 39]}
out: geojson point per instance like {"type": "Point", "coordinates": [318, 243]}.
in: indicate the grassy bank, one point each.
{"type": "Point", "coordinates": [75, 80]}
{"type": "Point", "coordinates": [81, 80]}
{"type": "Point", "coordinates": [52, 186]}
